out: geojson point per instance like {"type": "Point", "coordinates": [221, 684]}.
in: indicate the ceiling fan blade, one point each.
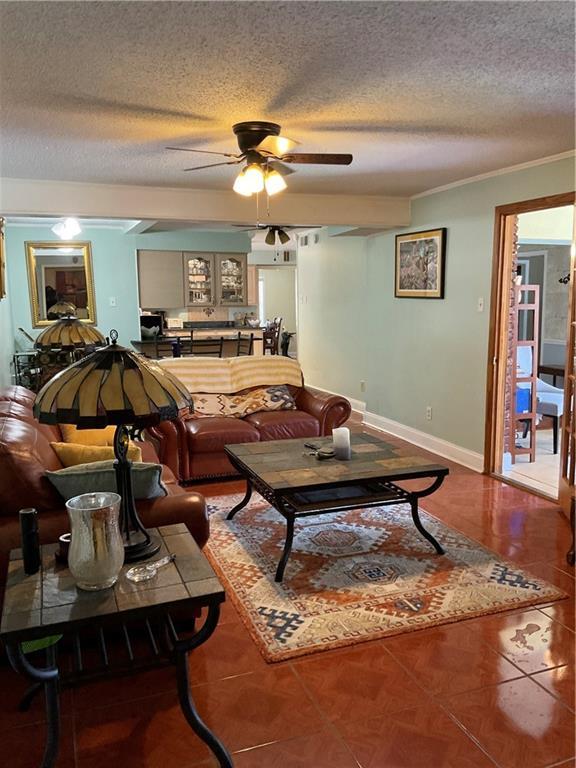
{"type": "Point", "coordinates": [282, 169]}
{"type": "Point", "coordinates": [270, 238]}
{"type": "Point", "coordinates": [320, 159]}
{"type": "Point", "coordinates": [203, 151]}
{"type": "Point", "coordinates": [276, 145]}
{"type": "Point", "coordinates": [284, 238]}
{"type": "Point", "coordinates": [212, 165]}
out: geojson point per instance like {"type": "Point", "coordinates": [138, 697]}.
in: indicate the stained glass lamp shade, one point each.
{"type": "Point", "coordinates": [61, 309]}
{"type": "Point", "coordinates": [116, 386]}
{"type": "Point", "coordinates": [69, 333]}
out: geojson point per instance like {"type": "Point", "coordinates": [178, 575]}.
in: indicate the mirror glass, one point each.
{"type": "Point", "coordinates": [60, 281]}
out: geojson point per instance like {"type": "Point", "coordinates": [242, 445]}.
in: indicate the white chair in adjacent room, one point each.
{"type": "Point", "coordinates": [549, 399]}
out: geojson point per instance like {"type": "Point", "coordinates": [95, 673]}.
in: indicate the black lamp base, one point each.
{"type": "Point", "coordinates": [138, 544]}
{"type": "Point", "coordinates": [135, 552]}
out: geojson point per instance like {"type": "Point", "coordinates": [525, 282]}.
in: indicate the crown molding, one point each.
{"type": "Point", "coordinates": [499, 172]}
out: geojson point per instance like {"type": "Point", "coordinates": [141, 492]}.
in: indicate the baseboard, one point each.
{"type": "Point", "coordinates": [358, 406]}
{"type": "Point", "coordinates": [436, 445]}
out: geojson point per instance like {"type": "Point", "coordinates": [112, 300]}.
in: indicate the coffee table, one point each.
{"type": "Point", "coordinates": [289, 476]}
{"type": "Point", "coordinates": [116, 631]}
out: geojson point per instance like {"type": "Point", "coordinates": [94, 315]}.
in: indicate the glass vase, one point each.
{"type": "Point", "coordinates": [96, 552]}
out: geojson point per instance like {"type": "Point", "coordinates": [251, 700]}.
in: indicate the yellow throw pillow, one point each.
{"type": "Point", "coordinates": [72, 434]}
{"type": "Point", "coordinates": [71, 454]}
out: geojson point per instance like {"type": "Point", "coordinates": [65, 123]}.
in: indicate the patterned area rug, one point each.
{"type": "Point", "coordinates": [355, 576]}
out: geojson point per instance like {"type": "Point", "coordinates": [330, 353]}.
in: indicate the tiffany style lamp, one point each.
{"type": "Point", "coordinates": [116, 386]}
{"type": "Point", "coordinates": [69, 333]}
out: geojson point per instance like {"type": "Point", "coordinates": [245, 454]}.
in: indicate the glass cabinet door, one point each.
{"type": "Point", "coordinates": [232, 279]}
{"type": "Point", "coordinates": [199, 279]}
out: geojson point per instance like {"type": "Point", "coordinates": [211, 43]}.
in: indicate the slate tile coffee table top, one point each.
{"type": "Point", "coordinates": [285, 464]}
{"type": "Point", "coordinates": [50, 600]}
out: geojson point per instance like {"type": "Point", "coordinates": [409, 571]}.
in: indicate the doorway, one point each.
{"type": "Point", "coordinates": [277, 298]}
{"type": "Point", "coordinates": [528, 404]}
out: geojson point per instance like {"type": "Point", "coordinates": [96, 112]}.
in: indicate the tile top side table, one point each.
{"type": "Point", "coordinates": [48, 603]}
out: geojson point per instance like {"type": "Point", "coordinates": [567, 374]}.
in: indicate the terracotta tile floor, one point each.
{"type": "Point", "coordinates": [494, 691]}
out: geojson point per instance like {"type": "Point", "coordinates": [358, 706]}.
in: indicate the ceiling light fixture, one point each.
{"type": "Point", "coordinates": [67, 228]}
{"type": "Point", "coordinates": [241, 185]}
{"type": "Point", "coordinates": [254, 179]}
{"type": "Point", "coordinates": [254, 176]}
{"type": "Point", "coordinates": [274, 182]}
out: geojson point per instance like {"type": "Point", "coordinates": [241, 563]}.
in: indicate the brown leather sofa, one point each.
{"type": "Point", "coordinates": [194, 448]}
{"type": "Point", "coordinates": [25, 455]}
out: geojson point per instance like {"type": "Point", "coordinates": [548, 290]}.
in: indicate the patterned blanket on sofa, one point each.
{"type": "Point", "coordinates": [227, 375]}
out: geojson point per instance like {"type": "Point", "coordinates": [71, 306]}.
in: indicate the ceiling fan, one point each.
{"type": "Point", "coordinates": [273, 230]}
{"type": "Point", "coordinates": [266, 155]}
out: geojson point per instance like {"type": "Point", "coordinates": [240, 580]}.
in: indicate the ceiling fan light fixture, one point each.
{"type": "Point", "coordinates": [241, 185]}
{"type": "Point", "coordinates": [283, 237]}
{"type": "Point", "coordinates": [274, 182]}
{"type": "Point", "coordinates": [254, 176]}
{"type": "Point", "coordinates": [67, 228]}
{"type": "Point", "coordinates": [270, 238]}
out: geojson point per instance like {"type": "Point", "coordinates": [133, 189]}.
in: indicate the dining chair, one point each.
{"type": "Point", "coordinates": [206, 347]}
{"type": "Point", "coordinates": [245, 344]}
{"type": "Point", "coordinates": [271, 337]}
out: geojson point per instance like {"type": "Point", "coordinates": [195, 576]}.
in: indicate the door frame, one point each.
{"type": "Point", "coordinates": [499, 313]}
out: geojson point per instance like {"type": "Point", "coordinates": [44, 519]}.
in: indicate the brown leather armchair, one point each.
{"type": "Point", "coordinates": [26, 454]}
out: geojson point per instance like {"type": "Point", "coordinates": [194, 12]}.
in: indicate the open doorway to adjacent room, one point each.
{"type": "Point", "coordinates": [277, 298]}
{"type": "Point", "coordinates": [531, 333]}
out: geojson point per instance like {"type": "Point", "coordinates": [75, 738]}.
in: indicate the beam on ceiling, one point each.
{"type": "Point", "coordinates": [62, 198]}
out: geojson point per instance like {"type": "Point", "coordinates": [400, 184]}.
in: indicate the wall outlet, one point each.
{"type": "Point", "coordinates": [112, 301]}
{"type": "Point", "coordinates": [480, 306]}
{"type": "Point", "coordinates": [362, 386]}
{"type": "Point", "coordinates": [428, 413]}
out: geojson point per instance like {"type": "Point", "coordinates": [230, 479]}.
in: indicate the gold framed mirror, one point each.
{"type": "Point", "coordinates": [60, 273]}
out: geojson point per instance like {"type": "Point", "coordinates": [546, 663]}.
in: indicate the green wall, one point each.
{"type": "Point", "coordinates": [333, 325]}
{"type": "Point", "coordinates": [6, 344]}
{"type": "Point", "coordinates": [414, 352]}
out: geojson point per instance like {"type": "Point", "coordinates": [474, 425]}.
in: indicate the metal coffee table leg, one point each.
{"type": "Point", "coordinates": [287, 547]}
{"type": "Point", "coordinates": [244, 501]}
{"type": "Point", "coordinates": [420, 527]}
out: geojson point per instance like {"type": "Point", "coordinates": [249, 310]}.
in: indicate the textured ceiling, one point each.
{"type": "Point", "coordinates": [422, 93]}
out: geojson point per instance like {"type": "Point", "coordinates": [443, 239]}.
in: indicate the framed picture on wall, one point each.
{"type": "Point", "coordinates": [420, 261]}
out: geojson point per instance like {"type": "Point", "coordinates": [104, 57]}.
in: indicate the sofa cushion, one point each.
{"type": "Point", "coordinates": [100, 476]}
{"type": "Point", "coordinates": [71, 434]}
{"type": "Point", "coordinates": [16, 410]}
{"type": "Point", "coordinates": [18, 394]}
{"type": "Point", "coordinates": [25, 455]}
{"type": "Point", "coordinates": [283, 425]}
{"type": "Point", "coordinates": [71, 454]}
{"type": "Point", "coordinates": [276, 397]}
{"type": "Point", "coordinates": [211, 435]}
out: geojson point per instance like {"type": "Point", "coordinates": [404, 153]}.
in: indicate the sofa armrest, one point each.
{"type": "Point", "coordinates": [164, 437]}
{"type": "Point", "coordinates": [187, 508]}
{"type": "Point", "coordinates": [330, 410]}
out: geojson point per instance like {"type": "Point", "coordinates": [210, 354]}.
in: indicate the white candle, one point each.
{"type": "Point", "coordinates": [341, 441]}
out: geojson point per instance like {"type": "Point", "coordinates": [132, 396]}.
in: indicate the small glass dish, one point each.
{"type": "Point", "coordinates": [149, 570]}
